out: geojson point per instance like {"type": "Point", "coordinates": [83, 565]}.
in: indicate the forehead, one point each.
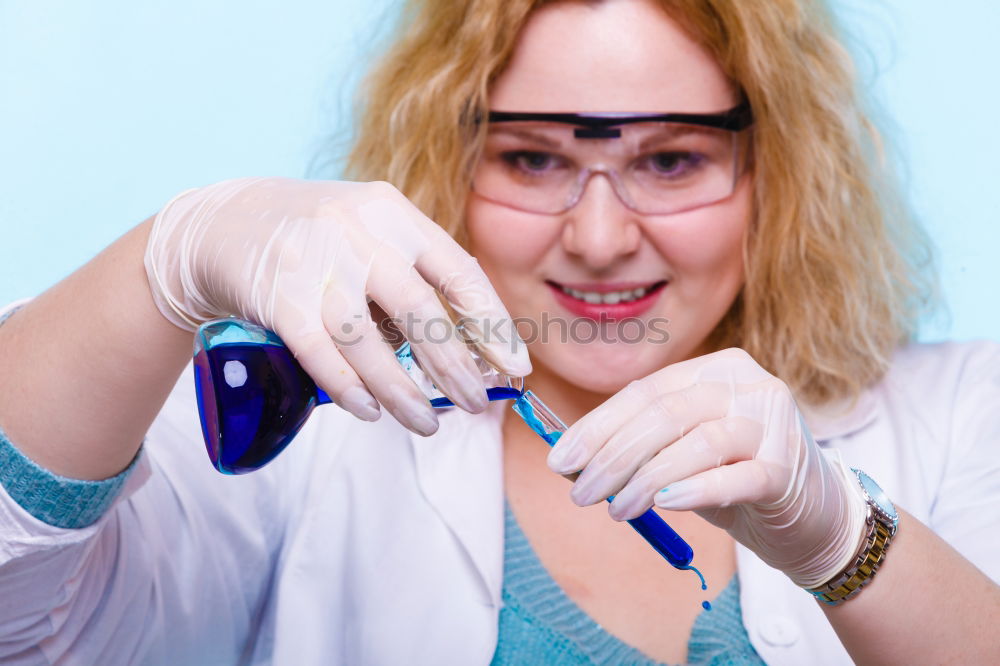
{"type": "Point", "coordinates": [616, 55]}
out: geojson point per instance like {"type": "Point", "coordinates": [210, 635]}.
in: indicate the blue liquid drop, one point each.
{"type": "Point", "coordinates": [704, 586]}
{"type": "Point", "coordinates": [691, 568]}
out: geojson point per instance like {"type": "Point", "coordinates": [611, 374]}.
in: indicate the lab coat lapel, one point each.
{"type": "Point", "coordinates": [459, 471]}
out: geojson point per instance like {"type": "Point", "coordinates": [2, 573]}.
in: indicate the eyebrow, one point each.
{"type": "Point", "coordinates": [526, 134]}
{"type": "Point", "coordinates": [670, 132]}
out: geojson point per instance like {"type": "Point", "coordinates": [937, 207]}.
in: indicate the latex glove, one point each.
{"type": "Point", "coordinates": [302, 258]}
{"type": "Point", "coordinates": [719, 435]}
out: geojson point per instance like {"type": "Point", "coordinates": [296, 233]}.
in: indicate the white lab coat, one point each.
{"type": "Point", "coordinates": [362, 544]}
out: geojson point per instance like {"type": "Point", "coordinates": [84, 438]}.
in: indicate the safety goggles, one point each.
{"type": "Point", "coordinates": [657, 164]}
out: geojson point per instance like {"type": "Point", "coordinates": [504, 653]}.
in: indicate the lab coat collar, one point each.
{"type": "Point", "coordinates": [842, 418]}
{"type": "Point", "coordinates": [460, 473]}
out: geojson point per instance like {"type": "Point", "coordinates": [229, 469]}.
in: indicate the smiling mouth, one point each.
{"type": "Point", "coordinates": [604, 297]}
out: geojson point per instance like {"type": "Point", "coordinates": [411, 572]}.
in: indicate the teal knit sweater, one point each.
{"type": "Point", "coordinates": [539, 624]}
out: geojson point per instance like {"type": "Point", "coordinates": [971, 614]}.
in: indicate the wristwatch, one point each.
{"type": "Point", "coordinates": [882, 521]}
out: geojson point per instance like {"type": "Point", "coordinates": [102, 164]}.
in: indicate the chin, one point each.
{"type": "Point", "coordinates": [599, 368]}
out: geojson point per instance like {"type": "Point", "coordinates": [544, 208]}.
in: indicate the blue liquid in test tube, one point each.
{"type": "Point", "coordinates": [653, 529]}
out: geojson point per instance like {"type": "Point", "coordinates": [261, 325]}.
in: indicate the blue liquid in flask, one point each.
{"type": "Point", "coordinates": [254, 397]}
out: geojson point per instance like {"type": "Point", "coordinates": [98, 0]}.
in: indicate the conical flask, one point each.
{"type": "Point", "coordinates": [253, 396]}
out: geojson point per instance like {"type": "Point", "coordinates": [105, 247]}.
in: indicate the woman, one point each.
{"type": "Point", "coordinates": [756, 222]}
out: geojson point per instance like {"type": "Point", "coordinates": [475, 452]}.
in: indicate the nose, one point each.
{"type": "Point", "coordinates": [600, 229]}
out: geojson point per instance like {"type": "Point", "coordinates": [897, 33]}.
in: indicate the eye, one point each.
{"type": "Point", "coordinates": [672, 164]}
{"type": "Point", "coordinates": [531, 161]}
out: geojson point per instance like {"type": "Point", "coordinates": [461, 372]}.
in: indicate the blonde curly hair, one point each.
{"type": "Point", "coordinates": [837, 270]}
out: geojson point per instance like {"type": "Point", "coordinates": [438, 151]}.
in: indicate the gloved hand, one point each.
{"type": "Point", "coordinates": [302, 257]}
{"type": "Point", "coordinates": [719, 435]}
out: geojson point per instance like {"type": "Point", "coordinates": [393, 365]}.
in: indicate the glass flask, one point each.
{"type": "Point", "coordinates": [253, 396]}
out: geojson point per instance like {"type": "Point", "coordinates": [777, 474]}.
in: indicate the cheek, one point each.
{"type": "Point", "coordinates": [706, 244]}
{"type": "Point", "coordinates": [509, 246]}
{"type": "Point", "coordinates": [491, 240]}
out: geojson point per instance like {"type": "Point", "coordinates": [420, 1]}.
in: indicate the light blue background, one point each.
{"type": "Point", "coordinates": [108, 109]}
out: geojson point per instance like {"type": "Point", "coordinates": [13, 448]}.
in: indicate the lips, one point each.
{"type": "Point", "coordinates": [608, 300]}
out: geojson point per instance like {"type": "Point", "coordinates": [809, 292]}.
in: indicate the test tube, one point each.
{"type": "Point", "coordinates": [653, 529]}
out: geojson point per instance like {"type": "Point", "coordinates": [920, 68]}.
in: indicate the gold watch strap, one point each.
{"type": "Point", "coordinates": [864, 567]}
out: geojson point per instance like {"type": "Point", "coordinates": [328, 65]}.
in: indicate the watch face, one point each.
{"type": "Point", "coordinates": [877, 495]}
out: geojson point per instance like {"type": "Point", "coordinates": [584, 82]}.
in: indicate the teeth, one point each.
{"type": "Point", "coordinates": [609, 298]}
